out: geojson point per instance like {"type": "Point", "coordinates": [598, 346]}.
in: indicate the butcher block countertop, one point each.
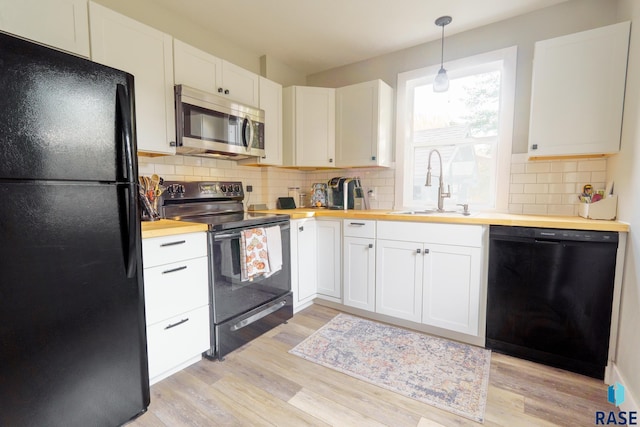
{"type": "Point", "coordinates": [545, 221]}
{"type": "Point", "coordinates": [166, 227]}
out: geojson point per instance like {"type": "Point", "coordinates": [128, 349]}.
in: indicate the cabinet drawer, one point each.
{"type": "Point", "coordinates": [359, 228]}
{"type": "Point", "coordinates": [446, 234]}
{"type": "Point", "coordinates": [166, 249]}
{"type": "Point", "coordinates": [175, 288]}
{"type": "Point", "coordinates": [176, 340]}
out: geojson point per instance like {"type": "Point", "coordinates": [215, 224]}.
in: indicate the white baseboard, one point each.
{"type": "Point", "coordinates": [630, 403]}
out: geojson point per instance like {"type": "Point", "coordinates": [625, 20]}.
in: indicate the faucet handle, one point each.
{"type": "Point", "coordinates": [465, 207]}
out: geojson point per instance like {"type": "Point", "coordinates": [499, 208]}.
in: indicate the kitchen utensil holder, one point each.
{"type": "Point", "coordinates": [606, 208]}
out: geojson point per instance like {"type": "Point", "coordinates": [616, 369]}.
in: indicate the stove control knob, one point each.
{"type": "Point", "coordinates": [236, 188]}
{"type": "Point", "coordinates": [170, 189]}
{"type": "Point", "coordinates": [223, 188]}
{"type": "Point", "coordinates": [180, 189]}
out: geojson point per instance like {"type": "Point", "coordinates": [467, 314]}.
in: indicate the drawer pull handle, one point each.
{"type": "Point", "coordinates": [357, 223]}
{"type": "Point", "coordinates": [173, 325]}
{"type": "Point", "coordinates": [252, 319]}
{"type": "Point", "coordinates": [178, 242]}
{"type": "Point", "coordinates": [173, 270]}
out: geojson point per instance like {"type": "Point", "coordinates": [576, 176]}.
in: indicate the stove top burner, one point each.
{"type": "Point", "coordinates": [237, 220]}
{"type": "Point", "coordinates": [216, 203]}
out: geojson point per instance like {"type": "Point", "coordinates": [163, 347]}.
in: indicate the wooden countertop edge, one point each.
{"type": "Point", "coordinates": [545, 221]}
{"type": "Point", "coordinates": [166, 227]}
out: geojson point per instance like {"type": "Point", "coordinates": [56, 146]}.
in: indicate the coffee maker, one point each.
{"type": "Point", "coordinates": [346, 193]}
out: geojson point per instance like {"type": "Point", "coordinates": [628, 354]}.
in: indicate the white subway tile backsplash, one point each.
{"type": "Point", "coordinates": [536, 188]}
{"type": "Point", "coordinates": [592, 165]}
{"type": "Point", "coordinates": [537, 167]}
{"type": "Point", "coordinates": [564, 166]}
{"type": "Point", "coordinates": [551, 177]}
{"type": "Point", "coordinates": [523, 178]}
{"type": "Point", "coordinates": [579, 177]}
{"type": "Point", "coordinates": [540, 188]}
{"type": "Point", "coordinates": [534, 209]}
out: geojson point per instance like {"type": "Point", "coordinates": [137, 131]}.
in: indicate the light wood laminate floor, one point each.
{"type": "Point", "coordinates": [261, 384]}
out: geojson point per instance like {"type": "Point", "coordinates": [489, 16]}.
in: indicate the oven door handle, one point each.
{"type": "Point", "coordinates": [236, 234]}
{"type": "Point", "coordinates": [251, 319]}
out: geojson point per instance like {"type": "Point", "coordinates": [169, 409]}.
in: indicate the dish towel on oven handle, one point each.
{"type": "Point", "coordinates": [274, 241]}
{"type": "Point", "coordinates": [253, 248]}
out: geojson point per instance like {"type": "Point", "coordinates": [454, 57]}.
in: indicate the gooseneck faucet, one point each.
{"type": "Point", "coordinates": [441, 193]}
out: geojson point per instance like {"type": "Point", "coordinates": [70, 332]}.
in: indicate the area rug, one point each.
{"type": "Point", "coordinates": [446, 374]}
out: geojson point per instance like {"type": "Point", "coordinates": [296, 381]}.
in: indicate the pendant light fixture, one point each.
{"type": "Point", "coordinates": [441, 82]}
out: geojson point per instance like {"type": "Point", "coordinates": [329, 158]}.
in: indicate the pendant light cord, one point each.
{"type": "Point", "coordinates": [442, 49]}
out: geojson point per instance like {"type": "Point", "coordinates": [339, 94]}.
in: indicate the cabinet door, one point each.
{"type": "Point", "coordinates": [271, 103]}
{"type": "Point", "coordinates": [577, 93]}
{"type": "Point", "coordinates": [239, 84]}
{"type": "Point", "coordinates": [363, 124]}
{"type": "Point", "coordinates": [399, 279]}
{"type": "Point", "coordinates": [196, 68]}
{"type": "Point", "coordinates": [314, 126]}
{"type": "Point", "coordinates": [62, 24]}
{"type": "Point", "coordinates": [451, 294]}
{"type": "Point", "coordinates": [359, 269]}
{"type": "Point", "coordinates": [329, 258]}
{"type": "Point", "coordinates": [121, 42]}
{"type": "Point", "coordinates": [304, 268]}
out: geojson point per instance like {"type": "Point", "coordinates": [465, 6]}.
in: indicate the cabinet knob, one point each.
{"type": "Point", "coordinates": [330, 160]}
{"type": "Point", "coordinates": [220, 90]}
{"type": "Point", "coordinates": [534, 147]}
{"type": "Point", "coordinates": [418, 251]}
{"type": "Point", "coordinates": [373, 158]}
{"type": "Point", "coordinates": [370, 245]}
{"type": "Point", "coordinates": [426, 251]}
{"type": "Point", "coordinates": [226, 91]}
{"type": "Point", "coordinates": [301, 228]}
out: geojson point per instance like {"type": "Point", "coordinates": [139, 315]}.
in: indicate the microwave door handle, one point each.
{"type": "Point", "coordinates": [247, 127]}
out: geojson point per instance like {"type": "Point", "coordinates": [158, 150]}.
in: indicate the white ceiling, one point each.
{"type": "Point", "coordinates": [316, 35]}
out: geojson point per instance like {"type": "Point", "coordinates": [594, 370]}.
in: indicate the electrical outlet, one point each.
{"type": "Point", "coordinates": [371, 192]}
{"type": "Point", "coordinates": [249, 188]}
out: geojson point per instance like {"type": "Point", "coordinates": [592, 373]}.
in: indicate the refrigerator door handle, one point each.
{"type": "Point", "coordinates": [127, 142]}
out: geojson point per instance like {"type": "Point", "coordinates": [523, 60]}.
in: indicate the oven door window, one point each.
{"type": "Point", "coordinates": [231, 295]}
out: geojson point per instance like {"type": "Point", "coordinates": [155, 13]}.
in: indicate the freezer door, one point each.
{"type": "Point", "coordinates": [60, 117]}
{"type": "Point", "coordinates": [72, 327]}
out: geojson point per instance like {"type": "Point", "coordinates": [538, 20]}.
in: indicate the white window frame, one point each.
{"type": "Point", "coordinates": [403, 179]}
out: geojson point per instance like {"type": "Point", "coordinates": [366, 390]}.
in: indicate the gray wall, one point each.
{"type": "Point", "coordinates": [523, 31]}
{"type": "Point", "coordinates": [624, 170]}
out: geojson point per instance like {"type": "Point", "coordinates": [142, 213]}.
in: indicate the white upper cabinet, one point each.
{"type": "Point", "coordinates": [271, 104]}
{"type": "Point", "coordinates": [62, 24]}
{"type": "Point", "coordinates": [364, 114]}
{"type": "Point", "coordinates": [239, 84]}
{"type": "Point", "coordinates": [196, 68]}
{"type": "Point", "coordinates": [309, 126]}
{"type": "Point", "coordinates": [201, 70]}
{"type": "Point", "coordinates": [121, 42]}
{"type": "Point", "coordinates": [578, 93]}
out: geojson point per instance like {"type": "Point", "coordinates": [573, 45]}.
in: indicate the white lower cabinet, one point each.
{"type": "Point", "coordinates": [304, 268]}
{"type": "Point", "coordinates": [176, 286]}
{"type": "Point", "coordinates": [329, 260]}
{"type": "Point", "coordinates": [430, 273]}
{"type": "Point", "coordinates": [399, 279]}
{"type": "Point", "coordinates": [451, 287]}
{"type": "Point", "coordinates": [359, 264]}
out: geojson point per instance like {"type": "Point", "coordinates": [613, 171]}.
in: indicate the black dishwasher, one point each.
{"type": "Point", "coordinates": [550, 294]}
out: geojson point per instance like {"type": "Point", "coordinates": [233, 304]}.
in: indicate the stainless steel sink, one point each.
{"type": "Point", "coordinates": [433, 212]}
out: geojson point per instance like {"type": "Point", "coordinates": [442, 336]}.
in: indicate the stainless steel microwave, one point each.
{"type": "Point", "coordinates": [212, 126]}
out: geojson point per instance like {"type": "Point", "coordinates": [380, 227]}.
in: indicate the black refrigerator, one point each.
{"type": "Point", "coordinates": [72, 327]}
